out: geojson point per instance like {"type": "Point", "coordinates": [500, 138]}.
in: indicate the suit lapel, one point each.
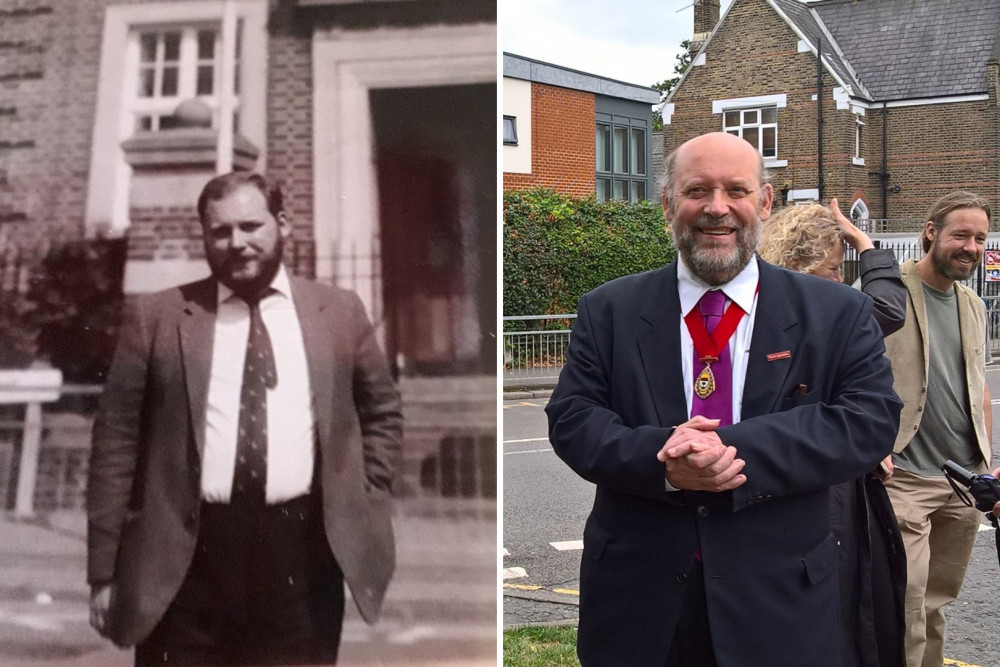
{"type": "Point", "coordinates": [196, 332]}
{"type": "Point", "coordinates": [773, 334]}
{"type": "Point", "coordinates": [317, 334]}
{"type": "Point", "coordinates": [659, 340]}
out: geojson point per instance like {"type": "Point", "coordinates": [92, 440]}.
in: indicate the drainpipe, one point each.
{"type": "Point", "coordinates": [884, 174]}
{"type": "Point", "coordinates": [819, 115]}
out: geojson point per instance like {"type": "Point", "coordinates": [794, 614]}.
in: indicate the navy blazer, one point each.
{"type": "Point", "coordinates": [823, 413]}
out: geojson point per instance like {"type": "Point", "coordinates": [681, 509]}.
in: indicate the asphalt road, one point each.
{"type": "Point", "coordinates": [545, 506]}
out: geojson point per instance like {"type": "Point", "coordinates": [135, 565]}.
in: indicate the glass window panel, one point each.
{"type": "Point", "coordinates": [769, 137]}
{"type": "Point", "coordinates": [603, 190]}
{"type": "Point", "coordinates": [619, 189]}
{"type": "Point", "coordinates": [620, 143]}
{"type": "Point", "coordinates": [172, 46]}
{"type": "Point", "coordinates": [735, 133]}
{"type": "Point", "coordinates": [206, 44]}
{"type": "Point", "coordinates": [206, 80]}
{"type": "Point", "coordinates": [732, 118]}
{"type": "Point", "coordinates": [147, 77]}
{"type": "Point", "coordinates": [509, 130]}
{"type": "Point", "coordinates": [769, 115]}
{"type": "Point", "coordinates": [638, 190]}
{"type": "Point", "coordinates": [144, 123]}
{"type": "Point", "coordinates": [147, 47]}
{"type": "Point", "coordinates": [169, 87]}
{"type": "Point", "coordinates": [638, 153]}
{"type": "Point", "coordinates": [750, 134]}
{"type": "Point", "coordinates": [750, 117]}
{"type": "Point", "coordinates": [603, 135]}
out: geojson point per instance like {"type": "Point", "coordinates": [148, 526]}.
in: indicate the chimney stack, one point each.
{"type": "Point", "coordinates": [706, 16]}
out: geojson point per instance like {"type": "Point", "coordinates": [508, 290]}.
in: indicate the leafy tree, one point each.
{"type": "Point", "coordinates": [667, 85]}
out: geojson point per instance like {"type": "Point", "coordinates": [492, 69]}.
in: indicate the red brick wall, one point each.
{"type": "Point", "coordinates": [932, 149]}
{"type": "Point", "coordinates": [562, 142]}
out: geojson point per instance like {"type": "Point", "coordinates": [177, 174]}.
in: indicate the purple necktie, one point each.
{"type": "Point", "coordinates": [719, 404]}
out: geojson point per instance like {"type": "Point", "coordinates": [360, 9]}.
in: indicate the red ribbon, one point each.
{"type": "Point", "coordinates": [708, 346]}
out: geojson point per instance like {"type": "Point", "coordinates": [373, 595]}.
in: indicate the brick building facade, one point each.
{"type": "Point", "coordinates": [900, 120]}
{"type": "Point", "coordinates": [555, 112]}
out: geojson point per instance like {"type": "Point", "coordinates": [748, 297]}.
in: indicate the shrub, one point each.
{"type": "Point", "coordinates": [556, 247]}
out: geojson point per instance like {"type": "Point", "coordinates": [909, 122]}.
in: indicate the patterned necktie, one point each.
{"type": "Point", "coordinates": [259, 375]}
{"type": "Point", "coordinates": [718, 404]}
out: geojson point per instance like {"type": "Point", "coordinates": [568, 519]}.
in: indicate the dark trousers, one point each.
{"type": "Point", "coordinates": [692, 644]}
{"type": "Point", "coordinates": [263, 589]}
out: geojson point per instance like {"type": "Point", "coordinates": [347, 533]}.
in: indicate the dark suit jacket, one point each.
{"type": "Point", "coordinates": [824, 414]}
{"type": "Point", "coordinates": [143, 494]}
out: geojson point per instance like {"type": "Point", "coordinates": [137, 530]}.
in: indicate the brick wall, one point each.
{"type": "Point", "coordinates": [562, 142]}
{"type": "Point", "coordinates": [932, 149]}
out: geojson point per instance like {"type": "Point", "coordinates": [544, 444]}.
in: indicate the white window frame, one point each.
{"type": "Point", "coordinates": [749, 103]}
{"type": "Point", "coordinates": [110, 175]}
{"type": "Point", "coordinates": [858, 159]}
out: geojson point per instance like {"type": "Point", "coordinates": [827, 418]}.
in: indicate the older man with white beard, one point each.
{"type": "Point", "coordinates": [713, 402]}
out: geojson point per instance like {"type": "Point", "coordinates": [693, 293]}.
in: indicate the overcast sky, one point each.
{"type": "Point", "coordinates": [635, 41]}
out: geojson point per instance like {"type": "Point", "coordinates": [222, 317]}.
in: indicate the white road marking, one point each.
{"type": "Point", "coordinates": [505, 552]}
{"type": "Point", "coordinates": [529, 451]}
{"type": "Point", "coordinates": [506, 442]}
{"type": "Point", "coordinates": [571, 545]}
{"type": "Point", "coordinates": [514, 573]}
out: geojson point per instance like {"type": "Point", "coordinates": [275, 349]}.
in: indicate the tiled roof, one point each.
{"type": "Point", "coordinates": [904, 49]}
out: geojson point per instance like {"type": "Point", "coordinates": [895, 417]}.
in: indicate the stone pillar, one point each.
{"type": "Point", "coordinates": [169, 170]}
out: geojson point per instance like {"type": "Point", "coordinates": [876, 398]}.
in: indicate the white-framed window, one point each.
{"type": "Point", "coordinates": [759, 126]}
{"type": "Point", "coordinates": [175, 64]}
{"type": "Point", "coordinates": [155, 55]}
{"type": "Point", "coordinates": [621, 161]}
{"type": "Point", "coordinates": [756, 120]}
{"type": "Point", "coordinates": [859, 126]}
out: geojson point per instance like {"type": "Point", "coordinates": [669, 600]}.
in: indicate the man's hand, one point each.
{"type": "Point", "coordinates": [100, 603]}
{"type": "Point", "coordinates": [885, 468]}
{"type": "Point", "coordinates": [996, 506]}
{"type": "Point", "coordinates": [696, 459]}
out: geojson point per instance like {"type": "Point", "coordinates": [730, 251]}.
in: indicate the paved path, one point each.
{"type": "Point", "coordinates": [441, 609]}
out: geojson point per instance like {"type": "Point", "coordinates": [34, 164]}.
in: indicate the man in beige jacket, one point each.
{"type": "Point", "coordinates": [938, 362]}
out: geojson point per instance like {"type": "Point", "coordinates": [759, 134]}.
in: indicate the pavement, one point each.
{"type": "Point", "coordinates": [440, 611]}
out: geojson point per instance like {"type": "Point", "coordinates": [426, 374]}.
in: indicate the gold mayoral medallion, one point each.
{"type": "Point", "coordinates": [704, 384]}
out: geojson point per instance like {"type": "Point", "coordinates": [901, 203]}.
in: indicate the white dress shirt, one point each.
{"type": "Point", "coordinates": [743, 290]}
{"type": "Point", "coordinates": [290, 421]}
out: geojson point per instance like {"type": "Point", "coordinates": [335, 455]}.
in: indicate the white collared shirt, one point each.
{"type": "Point", "coordinates": [290, 421]}
{"type": "Point", "coordinates": [743, 290]}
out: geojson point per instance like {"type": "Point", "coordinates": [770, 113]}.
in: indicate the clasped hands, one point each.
{"type": "Point", "coordinates": [696, 459]}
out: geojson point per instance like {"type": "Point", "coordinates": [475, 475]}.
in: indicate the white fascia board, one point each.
{"type": "Point", "coordinates": [875, 106]}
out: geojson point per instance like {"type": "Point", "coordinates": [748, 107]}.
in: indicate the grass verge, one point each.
{"type": "Point", "coordinates": [540, 647]}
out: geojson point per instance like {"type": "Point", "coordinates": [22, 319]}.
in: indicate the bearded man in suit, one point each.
{"type": "Point", "coordinates": [713, 443]}
{"type": "Point", "coordinates": [243, 454]}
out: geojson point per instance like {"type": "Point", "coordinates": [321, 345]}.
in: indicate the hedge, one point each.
{"type": "Point", "coordinates": [556, 247]}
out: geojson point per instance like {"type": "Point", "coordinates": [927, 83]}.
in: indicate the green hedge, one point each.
{"type": "Point", "coordinates": [556, 247]}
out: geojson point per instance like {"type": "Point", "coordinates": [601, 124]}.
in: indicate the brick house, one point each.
{"type": "Point", "coordinates": [901, 108]}
{"type": "Point", "coordinates": [575, 133]}
{"type": "Point", "coordinates": [379, 118]}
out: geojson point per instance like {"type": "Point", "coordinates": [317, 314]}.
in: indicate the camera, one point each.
{"type": "Point", "coordinates": [985, 489]}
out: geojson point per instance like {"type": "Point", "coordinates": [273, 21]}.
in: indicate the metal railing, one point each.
{"type": "Point", "coordinates": [534, 350]}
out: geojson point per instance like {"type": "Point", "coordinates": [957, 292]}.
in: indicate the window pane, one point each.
{"type": "Point", "coordinates": [619, 189]}
{"type": "Point", "coordinates": [732, 118]}
{"type": "Point", "coordinates": [603, 136]}
{"type": "Point", "coordinates": [169, 88]}
{"type": "Point", "coordinates": [750, 117]}
{"type": "Point", "coordinates": [638, 152]}
{"type": "Point", "coordinates": [147, 47]}
{"type": "Point", "coordinates": [509, 130]}
{"type": "Point", "coordinates": [206, 44]}
{"type": "Point", "coordinates": [620, 148]}
{"type": "Point", "coordinates": [735, 133]}
{"type": "Point", "coordinates": [603, 189]}
{"type": "Point", "coordinates": [172, 46]}
{"type": "Point", "coordinates": [769, 135]}
{"type": "Point", "coordinates": [146, 79]}
{"type": "Point", "coordinates": [750, 134]}
{"type": "Point", "coordinates": [144, 123]}
{"type": "Point", "coordinates": [206, 80]}
{"type": "Point", "coordinates": [769, 115]}
{"type": "Point", "coordinates": [638, 190]}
